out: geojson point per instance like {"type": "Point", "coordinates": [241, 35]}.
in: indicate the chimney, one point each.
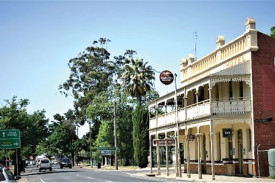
{"type": "Point", "coordinates": [184, 62]}
{"type": "Point", "coordinates": [250, 24]}
{"type": "Point", "coordinates": [190, 58]}
{"type": "Point", "coordinates": [220, 41]}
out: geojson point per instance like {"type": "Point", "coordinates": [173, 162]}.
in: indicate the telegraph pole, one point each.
{"type": "Point", "coordinates": [115, 135]}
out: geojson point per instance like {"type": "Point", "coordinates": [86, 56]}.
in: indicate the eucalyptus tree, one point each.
{"type": "Point", "coordinates": [91, 73]}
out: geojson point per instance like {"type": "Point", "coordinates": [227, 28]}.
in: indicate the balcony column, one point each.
{"type": "Point", "coordinates": [199, 153]}
{"type": "Point", "coordinates": [188, 152]}
{"type": "Point", "coordinates": [150, 152]}
{"type": "Point", "coordinates": [167, 154]}
{"type": "Point", "coordinates": [186, 136]}
{"type": "Point", "coordinates": [158, 156]}
{"type": "Point", "coordinates": [197, 100]}
{"type": "Point", "coordinates": [211, 135]}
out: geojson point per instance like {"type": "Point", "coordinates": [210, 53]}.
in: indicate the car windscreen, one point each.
{"type": "Point", "coordinates": [65, 160]}
{"type": "Point", "coordinates": [9, 174]}
{"type": "Point", "coordinates": [44, 161]}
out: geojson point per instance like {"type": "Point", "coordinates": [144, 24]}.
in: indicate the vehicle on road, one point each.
{"type": "Point", "coordinates": [65, 162]}
{"type": "Point", "coordinates": [45, 164]}
{"type": "Point", "coordinates": [6, 175]}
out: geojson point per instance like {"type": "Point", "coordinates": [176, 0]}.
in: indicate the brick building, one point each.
{"type": "Point", "coordinates": [224, 119]}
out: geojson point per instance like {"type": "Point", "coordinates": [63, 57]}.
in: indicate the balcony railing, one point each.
{"type": "Point", "coordinates": [231, 107]}
{"type": "Point", "coordinates": [202, 109]}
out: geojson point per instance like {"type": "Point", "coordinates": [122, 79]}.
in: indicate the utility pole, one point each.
{"type": "Point", "coordinates": [91, 161]}
{"type": "Point", "coordinates": [115, 135]}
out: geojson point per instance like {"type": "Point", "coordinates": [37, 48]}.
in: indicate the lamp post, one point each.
{"type": "Point", "coordinates": [178, 131]}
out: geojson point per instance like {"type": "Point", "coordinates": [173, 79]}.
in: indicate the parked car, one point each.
{"type": "Point", "coordinates": [45, 164]}
{"type": "Point", "coordinates": [65, 162]}
{"type": "Point", "coordinates": [6, 175]}
{"type": "Point", "coordinates": [54, 162]}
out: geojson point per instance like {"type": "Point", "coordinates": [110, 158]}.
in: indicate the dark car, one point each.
{"type": "Point", "coordinates": [65, 162]}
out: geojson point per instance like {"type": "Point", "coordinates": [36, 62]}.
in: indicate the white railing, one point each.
{"type": "Point", "coordinates": [231, 107]}
{"type": "Point", "coordinates": [202, 109]}
{"type": "Point", "coordinates": [198, 110]}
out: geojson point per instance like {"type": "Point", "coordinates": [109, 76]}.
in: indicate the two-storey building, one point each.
{"type": "Point", "coordinates": [225, 110]}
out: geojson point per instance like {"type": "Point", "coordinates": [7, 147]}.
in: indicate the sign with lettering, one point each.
{"type": "Point", "coordinates": [162, 142]}
{"type": "Point", "coordinates": [166, 77]}
{"type": "Point", "coordinates": [227, 132]}
{"type": "Point", "coordinates": [10, 139]}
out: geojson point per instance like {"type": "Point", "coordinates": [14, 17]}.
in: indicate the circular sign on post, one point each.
{"type": "Point", "coordinates": [166, 77]}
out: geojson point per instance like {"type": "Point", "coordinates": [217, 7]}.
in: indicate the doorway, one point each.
{"type": "Point", "coordinates": [240, 151]}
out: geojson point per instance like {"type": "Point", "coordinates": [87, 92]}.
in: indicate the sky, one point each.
{"type": "Point", "coordinates": [38, 38]}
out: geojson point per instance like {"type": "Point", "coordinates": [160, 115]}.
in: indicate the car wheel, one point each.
{"type": "Point", "coordinates": [70, 166]}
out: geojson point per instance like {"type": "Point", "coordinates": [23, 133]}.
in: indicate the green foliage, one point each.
{"type": "Point", "coordinates": [95, 82]}
{"type": "Point", "coordinates": [91, 73]}
{"type": "Point", "coordinates": [137, 78]}
{"type": "Point", "coordinates": [140, 136]}
{"type": "Point", "coordinates": [33, 127]}
{"type": "Point", "coordinates": [62, 140]}
{"type": "Point", "coordinates": [272, 29]}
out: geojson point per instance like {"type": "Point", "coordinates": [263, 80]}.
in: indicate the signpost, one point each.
{"type": "Point", "coordinates": [10, 139]}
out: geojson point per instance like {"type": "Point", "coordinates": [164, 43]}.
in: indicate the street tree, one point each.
{"type": "Point", "coordinates": [138, 80]}
{"type": "Point", "coordinates": [33, 127]}
{"type": "Point", "coordinates": [91, 73]}
{"type": "Point", "coordinates": [272, 29]}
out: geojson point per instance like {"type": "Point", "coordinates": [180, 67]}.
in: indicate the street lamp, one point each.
{"type": "Point", "coordinates": [178, 131]}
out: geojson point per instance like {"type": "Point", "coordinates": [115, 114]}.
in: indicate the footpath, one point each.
{"type": "Point", "coordinates": [184, 178]}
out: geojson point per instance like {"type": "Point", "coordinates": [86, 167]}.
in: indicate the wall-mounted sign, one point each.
{"type": "Point", "coordinates": [227, 132]}
{"type": "Point", "coordinates": [263, 120]}
{"type": "Point", "coordinates": [166, 77]}
{"type": "Point", "coordinates": [191, 137]}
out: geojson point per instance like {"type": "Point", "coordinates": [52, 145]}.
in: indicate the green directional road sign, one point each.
{"type": "Point", "coordinates": [10, 139]}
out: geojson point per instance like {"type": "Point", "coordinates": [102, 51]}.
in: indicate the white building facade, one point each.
{"type": "Point", "coordinates": [214, 119]}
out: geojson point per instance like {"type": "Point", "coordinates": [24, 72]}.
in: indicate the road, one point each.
{"type": "Point", "coordinates": [77, 174]}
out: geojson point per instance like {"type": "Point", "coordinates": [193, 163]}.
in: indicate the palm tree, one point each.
{"type": "Point", "coordinates": [137, 78]}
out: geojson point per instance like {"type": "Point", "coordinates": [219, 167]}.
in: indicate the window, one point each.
{"type": "Point", "coordinates": [219, 146]}
{"type": "Point", "coordinates": [230, 90]}
{"type": "Point", "coordinates": [9, 174]}
{"type": "Point", "coordinates": [2, 177]}
{"type": "Point", "coordinates": [249, 143]}
{"type": "Point", "coordinates": [241, 90]}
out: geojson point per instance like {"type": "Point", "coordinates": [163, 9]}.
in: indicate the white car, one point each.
{"type": "Point", "coordinates": [45, 164]}
{"type": "Point", "coordinates": [6, 175]}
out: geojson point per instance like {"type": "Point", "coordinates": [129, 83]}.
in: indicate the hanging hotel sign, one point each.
{"type": "Point", "coordinates": [166, 77]}
{"type": "Point", "coordinates": [227, 132]}
{"type": "Point", "coordinates": [162, 142]}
